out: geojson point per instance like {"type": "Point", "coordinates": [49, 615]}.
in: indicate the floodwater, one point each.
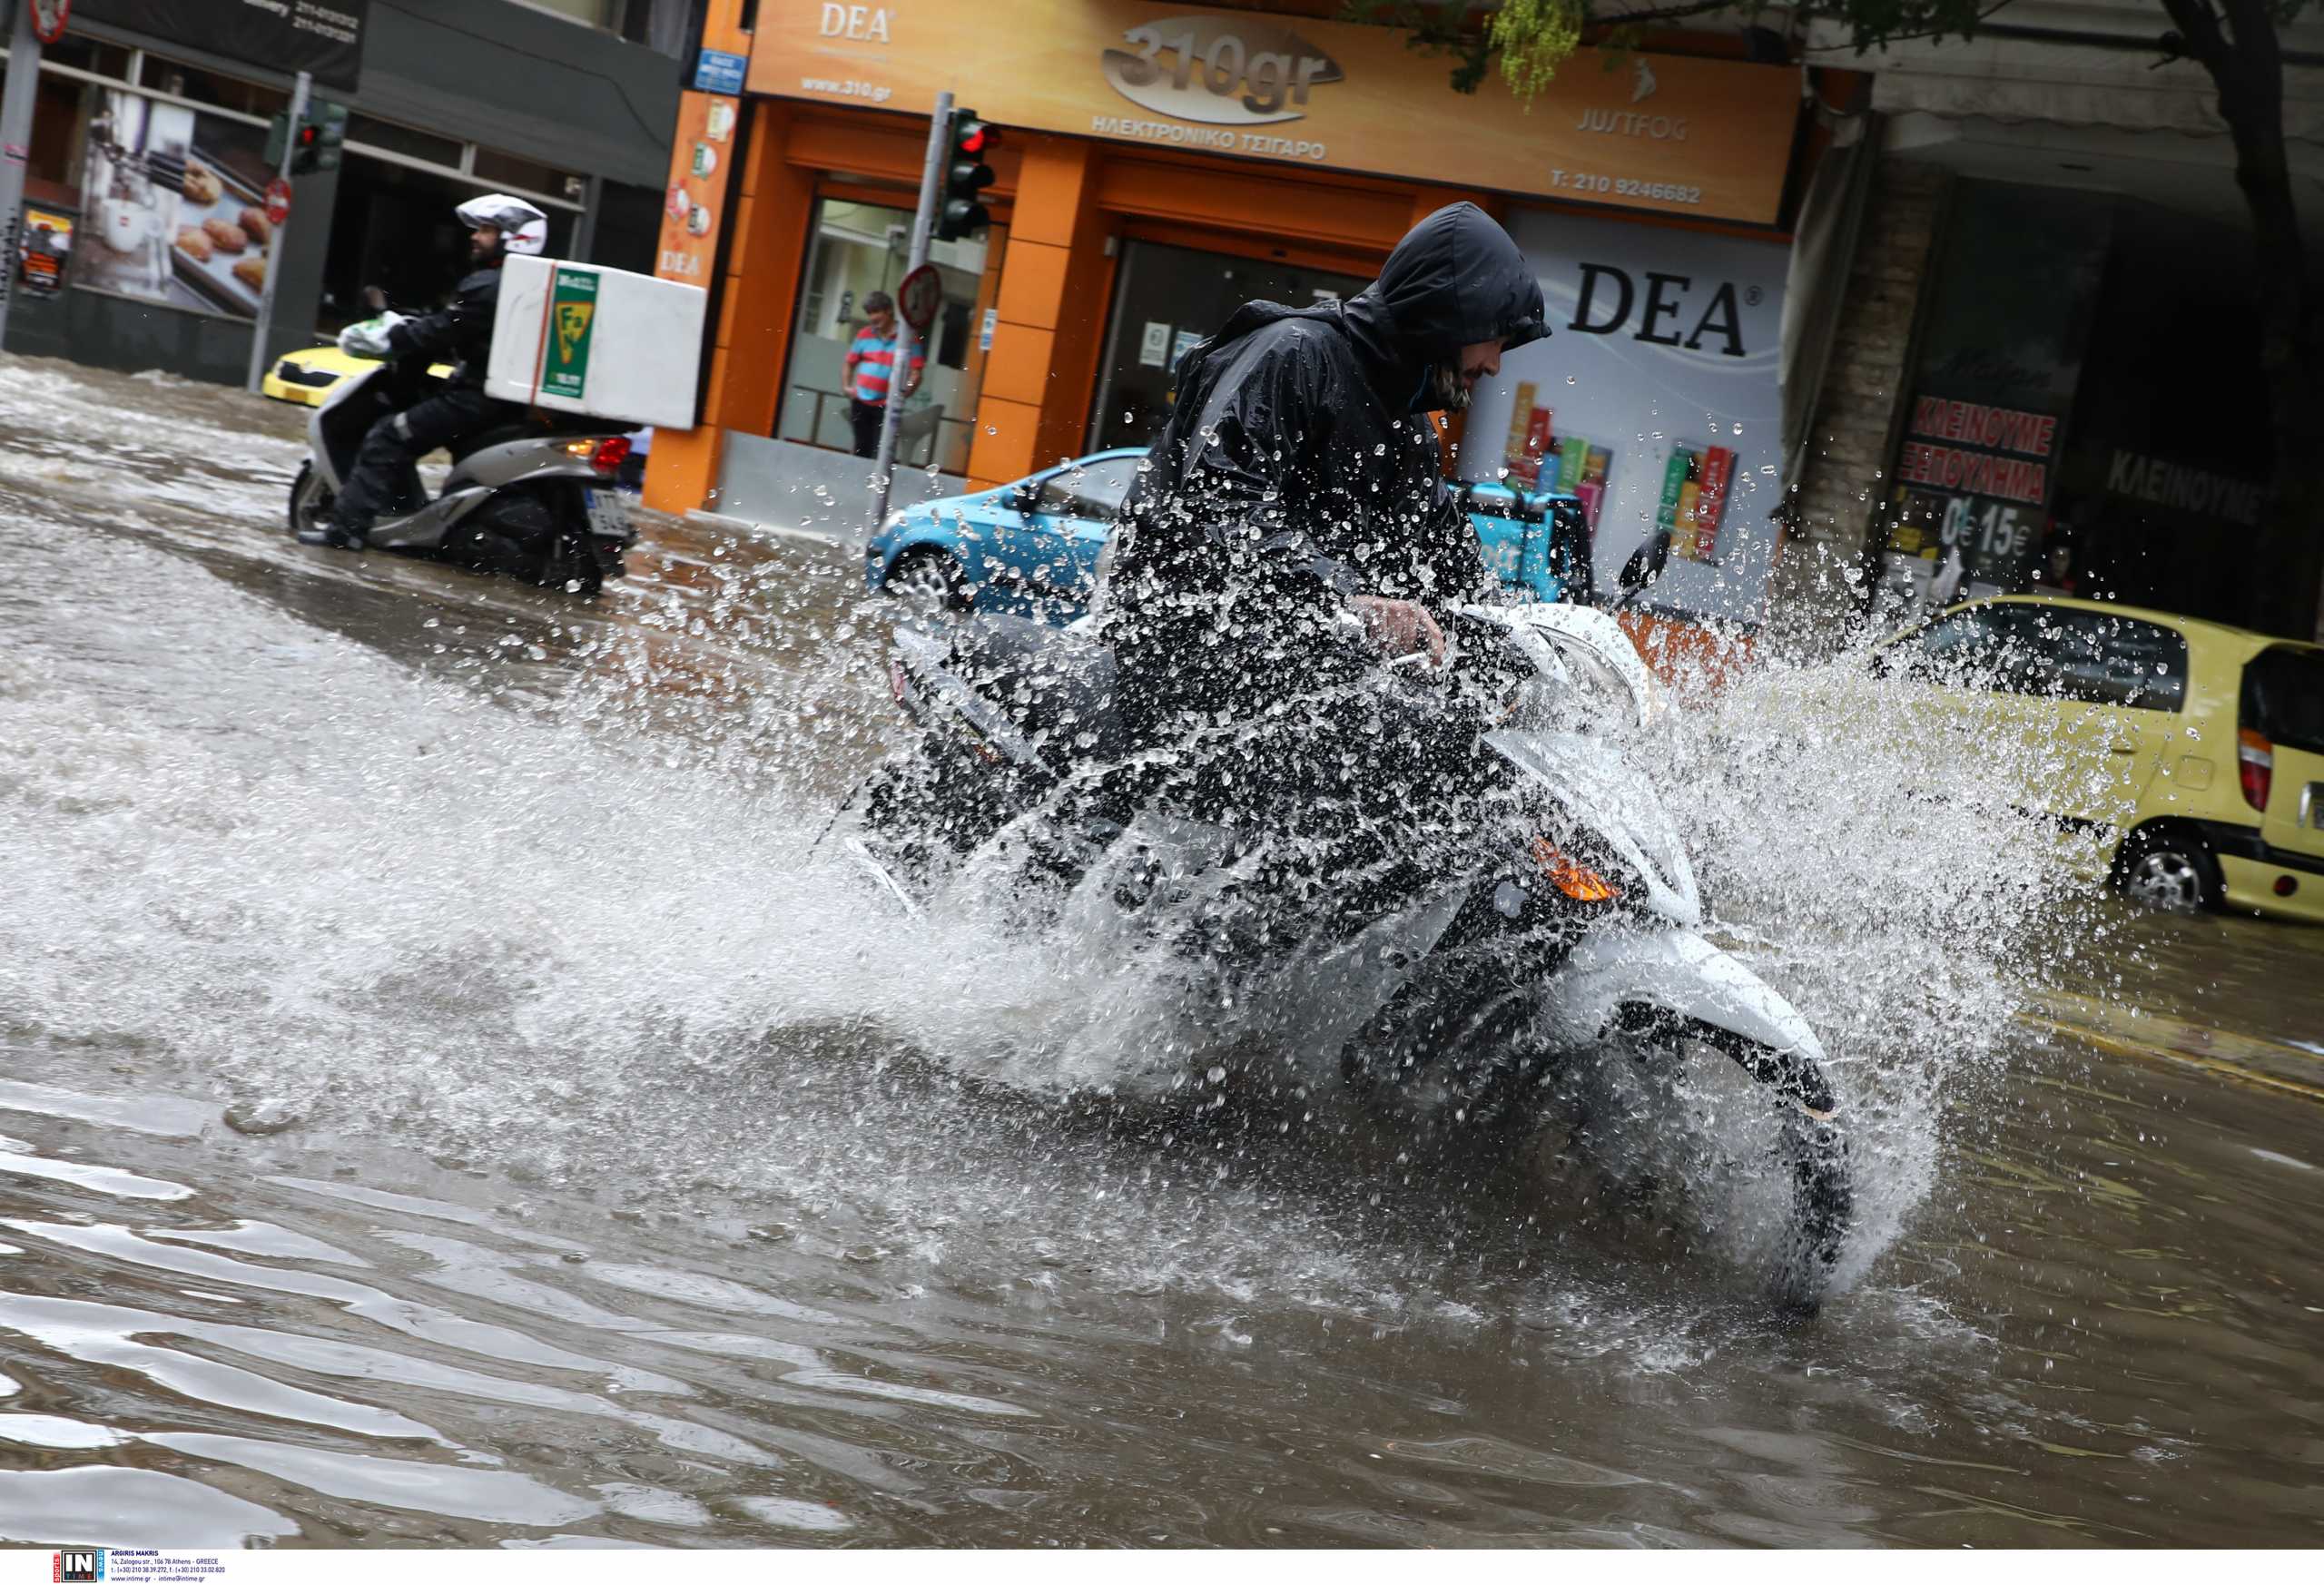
{"type": "Point", "coordinates": [447, 1096]}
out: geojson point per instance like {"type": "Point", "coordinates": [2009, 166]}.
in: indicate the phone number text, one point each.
{"type": "Point", "coordinates": [1590, 182]}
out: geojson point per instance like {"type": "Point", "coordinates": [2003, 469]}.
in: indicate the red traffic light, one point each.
{"type": "Point", "coordinates": [971, 136]}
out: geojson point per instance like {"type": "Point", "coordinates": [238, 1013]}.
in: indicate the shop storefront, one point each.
{"type": "Point", "coordinates": [2093, 420]}
{"type": "Point", "coordinates": [1655, 402]}
{"type": "Point", "coordinates": [1160, 167]}
{"type": "Point", "coordinates": [146, 242]}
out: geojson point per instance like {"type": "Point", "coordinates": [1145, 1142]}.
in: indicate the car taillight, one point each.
{"type": "Point", "coordinates": [2255, 765]}
{"type": "Point", "coordinates": [604, 456]}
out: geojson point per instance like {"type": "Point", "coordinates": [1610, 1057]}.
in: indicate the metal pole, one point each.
{"type": "Point", "coordinates": [15, 141]}
{"type": "Point", "coordinates": [923, 221]}
{"type": "Point", "coordinates": [274, 254]}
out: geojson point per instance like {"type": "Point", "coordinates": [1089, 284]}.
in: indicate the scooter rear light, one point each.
{"type": "Point", "coordinates": [1576, 880]}
{"type": "Point", "coordinates": [604, 456]}
{"type": "Point", "coordinates": [2255, 767]}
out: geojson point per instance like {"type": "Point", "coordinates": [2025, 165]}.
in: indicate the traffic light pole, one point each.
{"type": "Point", "coordinates": [274, 253]}
{"type": "Point", "coordinates": [15, 137]}
{"type": "Point", "coordinates": [923, 221]}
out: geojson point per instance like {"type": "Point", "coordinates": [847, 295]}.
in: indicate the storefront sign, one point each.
{"type": "Point", "coordinates": [324, 38]}
{"type": "Point", "coordinates": [2157, 481]}
{"type": "Point", "coordinates": [1653, 402]}
{"type": "Point", "coordinates": [717, 72]}
{"type": "Point", "coordinates": [1976, 470]}
{"type": "Point", "coordinates": [571, 310]}
{"type": "Point", "coordinates": [1681, 135]}
{"type": "Point", "coordinates": [699, 165]}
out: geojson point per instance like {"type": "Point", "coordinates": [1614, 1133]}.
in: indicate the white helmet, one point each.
{"type": "Point", "coordinates": [523, 228]}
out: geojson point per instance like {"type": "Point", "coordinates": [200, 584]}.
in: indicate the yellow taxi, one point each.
{"type": "Point", "coordinates": [2195, 751]}
{"type": "Point", "coordinates": [310, 376]}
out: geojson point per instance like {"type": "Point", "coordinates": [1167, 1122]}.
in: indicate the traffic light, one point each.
{"type": "Point", "coordinates": [314, 143]}
{"type": "Point", "coordinates": [966, 175]}
{"type": "Point", "coordinates": [320, 138]}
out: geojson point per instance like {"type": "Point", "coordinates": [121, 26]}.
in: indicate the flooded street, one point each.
{"type": "Point", "coordinates": [449, 1096]}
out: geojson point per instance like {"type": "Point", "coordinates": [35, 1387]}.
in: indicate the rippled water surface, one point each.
{"type": "Point", "coordinates": [445, 1096]}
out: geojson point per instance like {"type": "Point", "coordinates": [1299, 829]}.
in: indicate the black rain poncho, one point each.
{"type": "Point", "coordinates": [1298, 467]}
{"type": "Point", "coordinates": [460, 331]}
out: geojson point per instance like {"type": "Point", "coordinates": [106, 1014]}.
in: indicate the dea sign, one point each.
{"type": "Point", "coordinates": [1245, 71]}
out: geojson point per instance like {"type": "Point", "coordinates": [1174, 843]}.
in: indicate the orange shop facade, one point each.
{"type": "Point", "coordinates": [1157, 167]}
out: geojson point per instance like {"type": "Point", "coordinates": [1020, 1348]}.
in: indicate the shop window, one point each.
{"type": "Point", "coordinates": [392, 227]}
{"type": "Point", "coordinates": [854, 249]}
{"type": "Point", "coordinates": [605, 14]}
{"type": "Point", "coordinates": [183, 82]}
{"type": "Point", "coordinates": [495, 169]}
{"type": "Point", "coordinates": [1166, 300]}
{"type": "Point", "coordinates": [52, 165]}
{"type": "Point", "coordinates": [403, 139]}
{"type": "Point", "coordinates": [87, 55]}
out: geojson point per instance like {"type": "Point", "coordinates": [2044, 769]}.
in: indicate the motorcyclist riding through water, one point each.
{"type": "Point", "coordinates": [461, 331]}
{"type": "Point", "coordinates": [1376, 829]}
{"type": "Point", "coordinates": [1298, 494]}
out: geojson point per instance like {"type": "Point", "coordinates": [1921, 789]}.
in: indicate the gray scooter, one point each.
{"type": "Point", "coordinates": [534, 498]}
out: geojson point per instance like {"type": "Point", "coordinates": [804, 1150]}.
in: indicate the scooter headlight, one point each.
{"type": "Point", "coordinates": [1570, 876]}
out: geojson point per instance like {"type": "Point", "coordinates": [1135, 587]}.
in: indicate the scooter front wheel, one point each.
{"type": "Point", "coordinates": [310, 500]}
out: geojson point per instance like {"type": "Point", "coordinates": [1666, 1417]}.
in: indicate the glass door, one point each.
{"type": "Point", "coordinates": [1167, 299]}
{"type": "Point", "coordinates": [858, 249]}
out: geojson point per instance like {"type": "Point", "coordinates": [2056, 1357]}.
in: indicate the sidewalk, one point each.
{"type": "Point", "coordinates": [804, 492]}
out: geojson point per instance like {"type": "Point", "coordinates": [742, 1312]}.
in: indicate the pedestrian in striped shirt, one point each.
{"type": "Point", "coordinates": [870, 370]}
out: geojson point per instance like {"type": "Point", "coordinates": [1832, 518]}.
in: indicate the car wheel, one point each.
{"type": "Point", "coordinates": [930, 581]}
{"type": "Point", "coordinates": [2173, 872]}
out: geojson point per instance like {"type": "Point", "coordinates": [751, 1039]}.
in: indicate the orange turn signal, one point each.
{"type": "Point", "coordinates": [1577, 881]}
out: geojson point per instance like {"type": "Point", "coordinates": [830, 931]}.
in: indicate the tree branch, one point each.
{"type": "Point", "coordinates": [2199, 38]}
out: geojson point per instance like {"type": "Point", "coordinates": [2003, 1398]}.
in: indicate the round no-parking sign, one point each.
{"type": "Point", "coordinates": [918, 297]}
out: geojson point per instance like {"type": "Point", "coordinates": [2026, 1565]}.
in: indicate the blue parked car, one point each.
{"type": "Point", "coordinates": [1031, 548]}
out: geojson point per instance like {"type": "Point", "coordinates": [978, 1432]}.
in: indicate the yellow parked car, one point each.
{"type": "Point", "coordinates": [307, 377]}
{"type": "Point", "coordinates": [2195, 751]}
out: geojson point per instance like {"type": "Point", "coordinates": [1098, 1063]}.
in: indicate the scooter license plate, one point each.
{"type": "Point", "coordinates": [608, 517]}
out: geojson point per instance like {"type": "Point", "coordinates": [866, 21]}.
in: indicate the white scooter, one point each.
{"type": "Point", "coordinates": [1448, 1010]}
{"type": "Point", "coordinates": [535, 499]}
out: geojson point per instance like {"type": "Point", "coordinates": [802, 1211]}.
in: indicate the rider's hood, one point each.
{"type": "Point", "coordinates": [1456, 279]}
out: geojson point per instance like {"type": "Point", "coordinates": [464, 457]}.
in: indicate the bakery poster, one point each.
{"type": "Point", "coordinates": [174, 207]}
{"type": "Point", "coordinates": [1653, 403]}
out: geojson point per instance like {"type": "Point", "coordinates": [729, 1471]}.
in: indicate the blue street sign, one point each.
{"type": "Point", "coordinates": [719, 73]}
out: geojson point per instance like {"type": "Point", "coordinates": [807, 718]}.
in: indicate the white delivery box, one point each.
{"type": "Point", "coordinates": [607, 343]}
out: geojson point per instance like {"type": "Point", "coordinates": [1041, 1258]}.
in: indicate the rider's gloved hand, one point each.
{"type": "Point", "coordinates": [369, 338]}
{"type": "Point", "coordinates": [1399, 627]}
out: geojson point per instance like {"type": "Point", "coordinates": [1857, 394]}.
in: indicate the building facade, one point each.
{"type": "Point", "coordinates": [151, 123]}
{"type": "Point", "coordinates": [2047, 371]}
{"type": "Point", "coordinates": [1160, 166]}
